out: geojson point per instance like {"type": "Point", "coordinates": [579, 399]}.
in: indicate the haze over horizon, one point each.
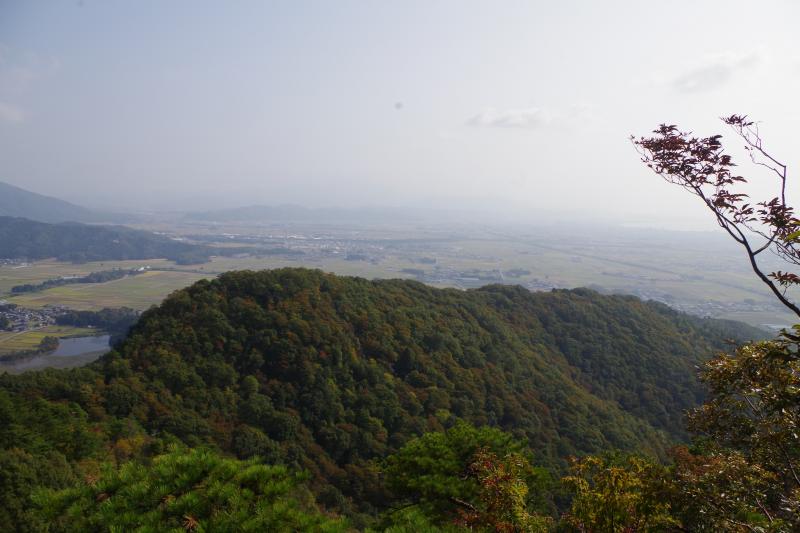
{"type": "Point", "coordinates": [509, 108]}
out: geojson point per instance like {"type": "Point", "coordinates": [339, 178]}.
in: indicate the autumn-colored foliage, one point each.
{"type": "Point", "coordinates": [701, 166]}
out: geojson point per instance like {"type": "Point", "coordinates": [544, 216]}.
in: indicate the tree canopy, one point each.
{"type": "Point", "coordinates": [743, 473]}
{"type": "Point", "coordinates": [330, 375]}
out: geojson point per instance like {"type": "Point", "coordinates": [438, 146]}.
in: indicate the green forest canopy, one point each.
{"type": "Point", "coordinates": [326, 374]}
{"type": "Point", "coordinates": [21, 238]}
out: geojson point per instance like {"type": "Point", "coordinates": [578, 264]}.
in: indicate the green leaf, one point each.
{"type": "Point", "coordinates": [793, 236]}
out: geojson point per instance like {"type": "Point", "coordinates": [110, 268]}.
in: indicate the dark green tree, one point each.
{"type": "Point", "coordinates": [753, 419]}
{"type": "Point", "coordinates": [48, 344]}
{"type": "Point", "coordinates": [187, 490]}
{"type": "Point", "coordinates": [476, 477]}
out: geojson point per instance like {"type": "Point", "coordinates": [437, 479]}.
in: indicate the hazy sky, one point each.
{"type": "Point", "coordinates": [516, 106]}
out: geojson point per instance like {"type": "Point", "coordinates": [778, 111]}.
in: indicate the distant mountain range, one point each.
{"type": "Point", "coordinates": [17, 202]}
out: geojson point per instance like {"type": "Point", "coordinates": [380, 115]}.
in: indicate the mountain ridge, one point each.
{"type": "Point", "coordinates": [22, 203]}
{"type": "Point", "coordinates": [328, 374]}
{"type": "Point", "coordinates": [22, 238]}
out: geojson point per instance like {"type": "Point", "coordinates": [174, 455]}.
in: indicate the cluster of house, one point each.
{"type": "Point", "coordinates": [17, 318]}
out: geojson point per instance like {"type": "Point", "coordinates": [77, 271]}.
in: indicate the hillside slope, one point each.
{"type": "Point", "coordinates": [327, 373]}
{"type": "Point", "coordinates": [21, 238]}
{"type": "Point", "coordinates": [17, 202]}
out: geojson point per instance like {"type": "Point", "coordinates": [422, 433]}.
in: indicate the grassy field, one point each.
{"type": "Point", "coordinates": [11, 342]}
{"type": "Point", "coordinates": [138, 292]}
{"type": "Point", "coordinates": [150, 288]}
{"type": "Point", "coordinates": [51, 269]}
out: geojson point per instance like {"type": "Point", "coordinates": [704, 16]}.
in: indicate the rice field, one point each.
{"type": "Point", "coordinates": [137, 292]}
{"type": "Point", "coordinates": [11, 275]}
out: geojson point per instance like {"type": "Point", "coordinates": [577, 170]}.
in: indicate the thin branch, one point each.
{"type": "Point", "coordinates": [402, 507]}
{"type": "Point", "coordinates": [462, 503]}
{"type": "Point", "coordinates": [766, 244]}
{"type": "Point", "coordinates": [763, 277]}
{"type": "Point", "coordinates": [764, 510]}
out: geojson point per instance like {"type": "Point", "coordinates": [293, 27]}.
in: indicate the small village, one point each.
{"type": "Point", "coordinates": [18, 319]}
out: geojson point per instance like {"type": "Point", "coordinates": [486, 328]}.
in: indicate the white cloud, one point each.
{"type": "Point", "coordinates": [715, 71]}
{"type": "Point", "coordinates": [532, 117]}
{"type": "Point", "coordinates": [11, 113]}
{"type": "Point", "coordinates": [529, 117]}
{"type": "Point", "coordinates": [20, 69]}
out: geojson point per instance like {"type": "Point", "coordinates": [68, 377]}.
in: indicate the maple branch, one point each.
{"type": "Point", "coordinates": [700, 166]}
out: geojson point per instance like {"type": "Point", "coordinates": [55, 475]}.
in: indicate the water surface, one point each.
{"type": "Point", "coordinates": [82, 345]}
{"type": "Point", "coordinates": [72, 352]}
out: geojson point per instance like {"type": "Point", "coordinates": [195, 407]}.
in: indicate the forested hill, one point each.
{"type": "Point", "coordinates": [27, 239]}
{"type": "Point", "coordinates": [326, 373]}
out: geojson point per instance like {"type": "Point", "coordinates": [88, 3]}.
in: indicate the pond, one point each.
{"type": "Point", "coordinates": [82, 345]}
{"type": "Point", "coordinates": [76, 351]}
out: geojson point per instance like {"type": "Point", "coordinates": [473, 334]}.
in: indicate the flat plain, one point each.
{"type": "Point", "coordinates": [137, 292]}
{"type": "Point", "coordinates": [700, 273]}
{"type": "Point", "coordinates": [36, 272]}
